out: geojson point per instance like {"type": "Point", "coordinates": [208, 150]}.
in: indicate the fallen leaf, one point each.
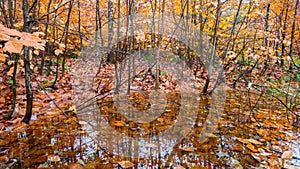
{"type": "Point", "coordinates": [126, 164]}
{"type": "Point", "coordinates": [151, 145]}
{"type": "Point", "coordinates": [188, 149]}
{"type": "Point", "coordinates": [118, 123]}
{"type": "Point", "coordinates": [75, 166]}
{"type": "Point", "coordinates": [245, 141]}
{"type": "Point", "coordinates": [287, 155]}
{"type": "Point", "coordinates": [256, 157]}
{"type": "Point", "coordinates": [53, 158]}
{"type": "Point", "coordinates": [252, 147]}
{"type": "Point", "coordinates": [273, 162]}
{"type": "Point", "coordinates": [179, 167]}
{"type": "Point", "coordinates": [255, 142]}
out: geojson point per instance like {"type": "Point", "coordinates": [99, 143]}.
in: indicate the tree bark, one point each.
{"type": "Point", "coordinates": [29, 94]}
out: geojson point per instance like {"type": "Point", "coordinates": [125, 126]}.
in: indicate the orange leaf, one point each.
{"type": "Point", "coordinates": [255, 142]}
{"type": "Point", "coordinates": [57, 52]}
{"type": "Point", "coordinates": [3, 57]}
{"type": "Point", "coordinates": [4, 37]}
{"type": "Point", "coordinates": [13, 46]}
{"type": "Point", "coordinates": [126, 164]}
{"type": "Point", "coordinates": [251, 147]}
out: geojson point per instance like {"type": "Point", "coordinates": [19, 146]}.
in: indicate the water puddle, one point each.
{"type": "Point", "coordinates": [173, 139]}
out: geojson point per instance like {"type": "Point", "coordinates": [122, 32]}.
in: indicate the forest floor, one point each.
{"type": "Point", "coordinates": [254, 130]}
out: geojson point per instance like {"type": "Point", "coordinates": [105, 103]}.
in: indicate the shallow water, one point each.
{"type": "Point", "coordinates": [189, 133]}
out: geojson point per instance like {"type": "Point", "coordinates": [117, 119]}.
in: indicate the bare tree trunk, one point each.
{"type": "Point", "coordinates": [10, 12]}
{"type": "Point", "coordinates": [284, 33]}
{"type": "Point", "coordinates": [212, 57]}
{"type": "Point", "coordinates": [130, 59]}
{"type": "Point", "coordinates": [29, 94]}
{"type": "Point", "coordinates": [228, 43]}
{"type": "Point", "coordinates": [110, 57]}
{"type": "Point", "coordinates": [66, 30]}
{"type": "Point", "coordinates": [3, 9]}
{"type": "Point", "coordinates": [117, 74]}
{"type": "Point", "coordinates": [293, 32]}
{"type": "Point", "coordinates": [267, 22]}
{"type": "Point", "coordinates": [79, 25]}
{"type": "Point", "coordinates": [14, 88]}
{"type": "Point", "coordinates": [45, 37]}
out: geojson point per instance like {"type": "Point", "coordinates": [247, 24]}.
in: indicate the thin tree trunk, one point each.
{"type": "Point", "coordinates": [267, 23]}
{"type": "Point", "coordinates": [3, 9]}
{"type": "Point", "coordinates": [79, 25]}
{"type": "Point", "coordinates": [293, 32]}
{"type": "Point", "coordinates": [29, 94]}
{"type": "Point", "coordinates": [212, 57]}
{"type": "Point", "coordinates": [45, 37]}
{"type": "Point", "coordinates": [14, 88]}
{"type": "Point", "coordinates": [228, 43]}
{"type": "Point", "coordinates": [67, 36]}
{"type": "Point", "coordinates": [284, 33]}
{"type": "Point", "coordinates": [110, 57]}
{"type": "Point", "coordinates": [10, 12]}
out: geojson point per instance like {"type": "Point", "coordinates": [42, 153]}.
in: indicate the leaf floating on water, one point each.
{"type": "Point", "coordinates": [151, 145]}
{"type": "Point", "coordinates": [255, 142]}
{"type": "Point", "coordinates": [211, 135]}
{"type": "Point", "coordinates": [245, 141]}
{"type": "Point", "coordinates": [179, 167]}
{"type": "Point", "coordinates": [75, 166]}
{"type": "Point", "coordinates": [118, 123]}
{"type": "Point", "coordinates": [83, 123]}
{"type": "Point", "coordinates": [251, 147]}
{"type": "Point", "coordinates": [188, 149]}
{"type": "Point", "coordinates": [256, 157]}
{"type": "Point", "coordinates": [235, 163]}
{"type": "Point", "coordinates": [287, 155]}
{"type": "Point", "coordinates": [126, 164]}
{"type": "Point", "coordinates": [53, 158]}
{"type": "Point", "coordinates": [273, 162]}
